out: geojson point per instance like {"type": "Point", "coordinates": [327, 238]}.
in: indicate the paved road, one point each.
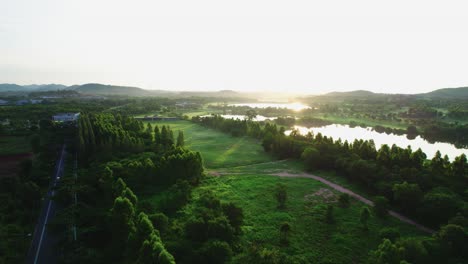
{"type": "Point", "coordinates": [42, 245]}
{"type": "Point", "coordinates": [356, 196]}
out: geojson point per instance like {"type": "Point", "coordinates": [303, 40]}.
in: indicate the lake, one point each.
{"type": "Point", "coordinates": [243, 117]}
{"type": "Point", "coordinates": [348, 133]}
{"type": "Point", "coordinates": [292, 106]}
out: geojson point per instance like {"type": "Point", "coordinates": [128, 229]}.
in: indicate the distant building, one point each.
{"type": "Point", "coordinates": [66, 117]}
{"type": "Point", "coordinates": [35, 101]}
{"type": "Point", "coordinates": [22, 102]}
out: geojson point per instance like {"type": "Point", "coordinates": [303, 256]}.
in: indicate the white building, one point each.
{"type": "Point", "coordinates": [66, 117]}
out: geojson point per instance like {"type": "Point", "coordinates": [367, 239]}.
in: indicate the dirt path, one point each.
{"type": "Point", "coordinates": [355, 195]}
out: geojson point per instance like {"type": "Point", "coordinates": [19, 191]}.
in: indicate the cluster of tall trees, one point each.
{"type": "Point", "coordinates": [107, 133]}
{"type": "Point", "coordinates": [115, 226]}
{"type": "Point", "coordinates": [210, 232]}
{"type": "Point", "coordinates": [132, 234]}
{"type": "Point", "coordinates": [160, 168]}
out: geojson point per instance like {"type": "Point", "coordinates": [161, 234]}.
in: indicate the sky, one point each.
{"type": "Point", "coordinates": [310, 47]}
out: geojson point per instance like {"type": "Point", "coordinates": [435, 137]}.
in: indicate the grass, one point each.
{"type": "Point", "coordinates": [244, 177]}
{"type": "Point", "coordinates": [218, 149]}
{"type": "Point", "coordinates": [312, 239]}
{"type": "Point", "coordinates": [11, 145]}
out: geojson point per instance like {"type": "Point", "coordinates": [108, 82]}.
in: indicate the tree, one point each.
{"type": "Point", "coordinates": [121, 225]}
{"type": "Point", "coordinates": [157, 135]}
{"type": "Point", "coordinates": [381, 206]}
{"type": "Point", "coordinates": [285, 228]}
{"type": "Point", "coordinates": [311, 157]}
{"type": "Point", "coordinates": [180, 139]}
{"type": "Point", "coordinates": [364, 218]}
{"type": "Point", "coordinates": [251, 114]}
{"type": "Point", "coordinates": [439, 205]}
{"type": "Point", "coordinates": [160, 222]}
{"type": "Point", "coordinates": [144, 229]}
{"type": "Point", "coordinates": [460, 167]}
{"type": "Point", "coordinates": [165, 258]}
{"type": "Point", "coordinates": [383, 156]}
{"type": "Point", "coordinates": [415, 250]}
{"type": "Point", "coordinates": [453, 238]}
{"type": "Point", "coordinates": [387, 253]}
{"type": "Point", "coordinates": [281, 195]}
{"type": "Point", "coordinates": [390, 233]}
{"type": "Point", "coordinates": [127, 193]}
{"type": "Point", "coordinates": [118, 187]}
{"type": "Point", "coordinates": [408, 195]}
{"type": "Point", "coordinates": [234, 214]}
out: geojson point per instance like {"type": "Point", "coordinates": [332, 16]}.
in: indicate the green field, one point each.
{"type": "Point", "coordinates": [218, 149]}
{"type": "Point", "coordinates": [239, 171]}
{"type": "Point", "coordinates": [10, 145]}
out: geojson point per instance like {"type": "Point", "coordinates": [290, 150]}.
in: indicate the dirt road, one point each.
{"type": "Point", "coordinates": [355, 195]}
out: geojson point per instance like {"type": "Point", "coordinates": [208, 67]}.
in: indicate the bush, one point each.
{"type": "Point", "coordinates": [389, 233]}
{"type": "Point", "coordinates": [344, 200]}
{"type": "Point", "coordinates": [281, 195]}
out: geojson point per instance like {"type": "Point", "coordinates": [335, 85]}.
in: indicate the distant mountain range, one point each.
{"type": "Point", "coordinates": [461, 92]}
{"type": "Point", "coordinates": [102, 89]}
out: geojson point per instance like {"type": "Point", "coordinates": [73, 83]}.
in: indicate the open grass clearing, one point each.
{"type": "Point", "coordinates": [218, 149]}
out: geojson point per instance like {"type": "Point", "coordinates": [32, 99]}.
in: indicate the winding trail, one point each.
{"type": "Point", "coordinates": [355, 195]}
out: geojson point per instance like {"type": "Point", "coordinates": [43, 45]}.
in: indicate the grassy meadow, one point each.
{"type": "Point", "coordinates": [240, 171]}
{"type": "Point", "coordinates": [218, 149]}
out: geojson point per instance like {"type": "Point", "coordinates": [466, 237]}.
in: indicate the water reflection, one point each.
{"type": "Point", "coordinates": [351, 133]}
{"type": "Point", "coordinates": [292, 106]}
{"type": "Point", "coordinates": [243, 117]}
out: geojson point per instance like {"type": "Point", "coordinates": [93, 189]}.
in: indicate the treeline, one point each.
{"type": "Point", "coordinates": [432, 191]}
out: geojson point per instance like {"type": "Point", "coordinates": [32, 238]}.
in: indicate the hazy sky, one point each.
{"type": "Point", "coordinates": [302, 46]}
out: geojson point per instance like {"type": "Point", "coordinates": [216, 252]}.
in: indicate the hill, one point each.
{"type": "Point", "coordinates": [461, 92]}
{"type": "Point", "coordinates": [222, 93]}
{"type": "Point", "coordinates": [48, 87]}
{"type": "Point", "coordinates": [102, 89]}
{"type": "Point", "coordinates": [7, 87]}
{"type": "Point", "coordinates": [357, 93]}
